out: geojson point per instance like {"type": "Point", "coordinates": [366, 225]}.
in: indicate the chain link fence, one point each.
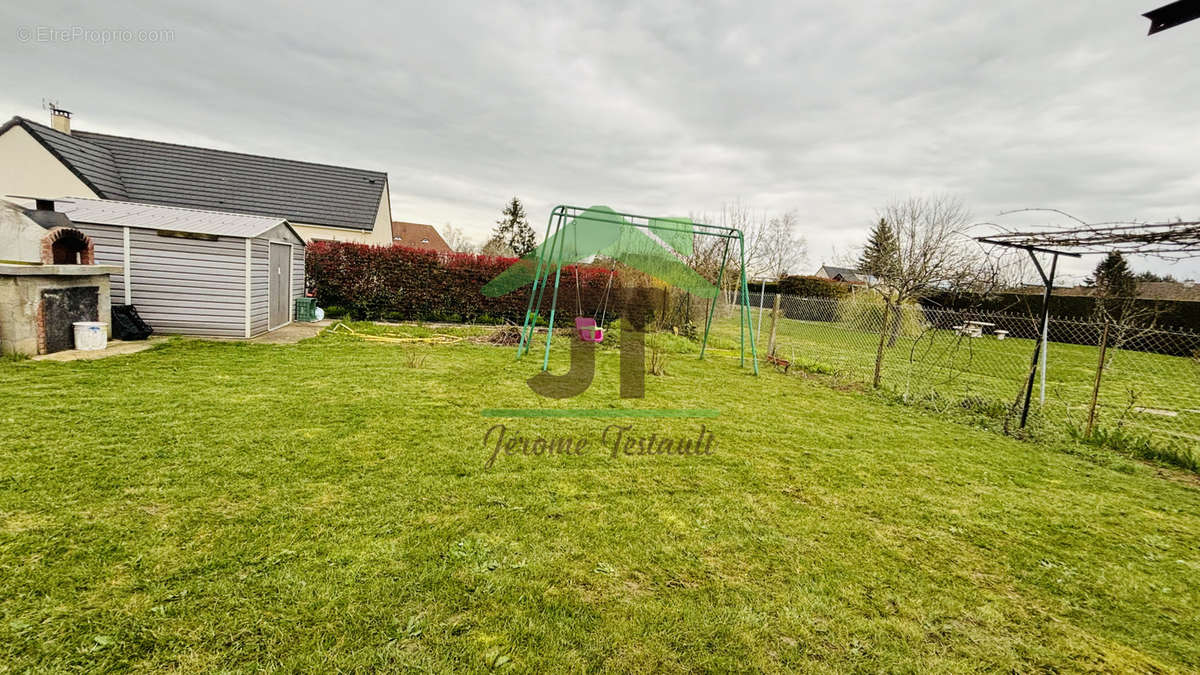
{"type": "Point", "coordinates": [1120, 383]}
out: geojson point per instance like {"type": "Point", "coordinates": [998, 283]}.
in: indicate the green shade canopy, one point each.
{"type": "Point", "coordinates": [599, 231]}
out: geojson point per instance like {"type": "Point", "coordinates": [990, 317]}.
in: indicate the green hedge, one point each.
{"type": "Point", "coordinates": [813, 287]}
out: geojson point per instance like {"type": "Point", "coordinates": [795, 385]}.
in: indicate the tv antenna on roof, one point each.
{"type": "Point", "coordinates": [52, 106]}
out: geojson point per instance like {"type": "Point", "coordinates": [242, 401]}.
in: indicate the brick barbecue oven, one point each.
{"type": "Point", "coordinates": [48, 280]}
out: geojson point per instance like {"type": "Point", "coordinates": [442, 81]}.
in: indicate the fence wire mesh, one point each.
{"type": "Point", "coordinates": [1147, 385]}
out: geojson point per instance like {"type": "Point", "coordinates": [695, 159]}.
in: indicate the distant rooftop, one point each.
{"type": "Point", "coordinates": [416, 235]}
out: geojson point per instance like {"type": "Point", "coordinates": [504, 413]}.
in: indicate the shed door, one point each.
{"type": "Point", "coordinates": [281, 284]}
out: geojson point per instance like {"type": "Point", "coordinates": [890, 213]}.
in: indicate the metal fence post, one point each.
{"type": "Point", "coordinates": [774, 320]}
{"type": "Point", "coordinates": [1096, 386]}
{"type": "Point", "coordinates": [1045, 357]}
{"type": "Point", "coordinates": [762, 294]}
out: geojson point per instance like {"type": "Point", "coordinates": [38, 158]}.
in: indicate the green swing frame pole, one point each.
{"type": "Point", "coordinates": [749, 321]}
{"type": "Point", "coordinates": [541, 274]}
{"type": "Point", "coordinates": [559, 243]}
{"type": "Point", "coordinates": [712, 307]}
{"type": "Point", "coordinates": [553, 257]}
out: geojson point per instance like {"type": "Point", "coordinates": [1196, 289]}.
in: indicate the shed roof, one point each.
{"type": "Point", "coordinates": [134, 169]}
{"type": "Point", "coordinates": [174, 218]}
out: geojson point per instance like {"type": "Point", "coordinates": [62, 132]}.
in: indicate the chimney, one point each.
{"type": "Point", "coordinates": [60, 119]}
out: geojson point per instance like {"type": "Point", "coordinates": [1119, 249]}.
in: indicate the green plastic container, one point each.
{"type": "Point", "coordinates": [306, 309]}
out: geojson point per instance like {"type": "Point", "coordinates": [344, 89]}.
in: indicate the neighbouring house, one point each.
{"type": "Point", "coordinates": [1183, 291]}
{"type": "Point", "coordinates": [48, 281]}
{"type": "Point", "coordinates": [319, 201]}
{"type": "Point", "coordinates": [416, 235]}
{"type": "Point", "coordinates": [192, 271]}
{"type": "Point", "coordinates": [844, 274]}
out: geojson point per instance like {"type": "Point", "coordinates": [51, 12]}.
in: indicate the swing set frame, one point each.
{"type": "Point", "coordinates": [551, 260]}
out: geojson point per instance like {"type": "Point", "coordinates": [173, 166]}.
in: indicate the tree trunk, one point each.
{"type": "Point", "coordinates": [894, 312]}
{"type": "Point", "coordinates": [883, 337]}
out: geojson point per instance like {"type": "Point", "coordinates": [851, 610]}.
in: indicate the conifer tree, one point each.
{"type": "Point", "coordinates": [880, 256]}
{"type": "Point", "coordinates": [513, 231]}
{"type": "Point", "coordinates": [1112, 277]}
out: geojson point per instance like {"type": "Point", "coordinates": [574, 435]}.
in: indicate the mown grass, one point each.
{"type": "Point", "coordinates": [1152, 396]}
{"type": "Point", "coordinates": [325, 506]}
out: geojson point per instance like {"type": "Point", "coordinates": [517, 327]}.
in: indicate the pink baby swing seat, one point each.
{"type": "Point", "coordinates": [588, 330]}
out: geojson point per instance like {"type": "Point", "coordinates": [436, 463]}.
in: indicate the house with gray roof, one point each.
{"type": "Point", "coordinates": [844, 274]}
{"type": "Point", "coordinates": [320, 201]}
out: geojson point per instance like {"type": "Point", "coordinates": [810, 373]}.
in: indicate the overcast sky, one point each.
{"type": "Point", "coordinates": [831, 109]}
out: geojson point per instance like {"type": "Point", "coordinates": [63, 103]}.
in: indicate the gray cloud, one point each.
{"type": "Point", "coordinates": [827, 108]}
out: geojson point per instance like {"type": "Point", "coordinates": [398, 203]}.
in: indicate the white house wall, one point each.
{"type": "Point", "coordinates": [28, 169]}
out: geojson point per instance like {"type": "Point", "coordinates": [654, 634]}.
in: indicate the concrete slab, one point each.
{"type": "Point", "coordinates": [292, 333]}
{"type": "Point", "coordinates": [114, 348]}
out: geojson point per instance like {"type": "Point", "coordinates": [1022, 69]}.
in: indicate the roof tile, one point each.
{"type": "Point", "coordinates": [141, 170]}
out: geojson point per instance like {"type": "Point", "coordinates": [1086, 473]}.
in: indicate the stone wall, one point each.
{"type": "Point", "coordinates": [21, 296]}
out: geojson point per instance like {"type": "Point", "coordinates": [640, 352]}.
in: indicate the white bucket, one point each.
{"type": "Point", "coordinates": [90, 335]}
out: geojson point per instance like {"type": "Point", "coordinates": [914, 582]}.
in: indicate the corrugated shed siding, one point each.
{"type": "Point", "coordinates": [110, 250]}
{"type": "Point", "coordinates": [297, 275]}
{"type": "Point", "coordinates": [189, 286]}
{"type": "Point", "coordinates": [260, 269]}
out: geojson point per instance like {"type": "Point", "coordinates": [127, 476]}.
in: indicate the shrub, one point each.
{"type": "Point", "coordinates": [656, 364]}
{"type": "Point", "coordinates": [1142, 446]}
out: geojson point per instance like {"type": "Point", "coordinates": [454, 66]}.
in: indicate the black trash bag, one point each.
{"type": "Point", "coordinates": [127, 324]}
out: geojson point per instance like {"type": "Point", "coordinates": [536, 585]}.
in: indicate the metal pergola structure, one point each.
{"type": "Point", "coordinates": [1167, 240]}
{"type": "Point", "coordinates": [552, 260]}
{"type": "Point", "coordinates": [1174, 14]}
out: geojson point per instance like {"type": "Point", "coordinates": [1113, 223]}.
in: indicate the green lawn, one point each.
{"type": "Point", "coordinates": [325, 506]}
{"type": "Point", "coordinates": [1152, 394]}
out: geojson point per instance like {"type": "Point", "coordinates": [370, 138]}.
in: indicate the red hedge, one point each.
{"type": "Point", "coordinates": [396, 283]}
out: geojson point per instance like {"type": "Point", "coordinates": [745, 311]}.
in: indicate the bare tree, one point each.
{"type": "Point", "coordinates": [931, 251]}
{"type": "Point", "coordinates": [778, 250]}
{"type": "Point", "coordinates": [708, 252]}
{"type": "Point", "coordinates": [783, 250]}
{"type": "Point", "coordinates": [495, 246]}
{"type": "Point", "coordinates": [773, 247]}
{"type": "Point", "coordinates": [458, 240]}
{"type": "Point", "coordinates": [932, 246]}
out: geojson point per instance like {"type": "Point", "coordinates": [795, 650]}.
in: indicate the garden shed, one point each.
{"type": "Point", "coordinates": [191, 271]}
